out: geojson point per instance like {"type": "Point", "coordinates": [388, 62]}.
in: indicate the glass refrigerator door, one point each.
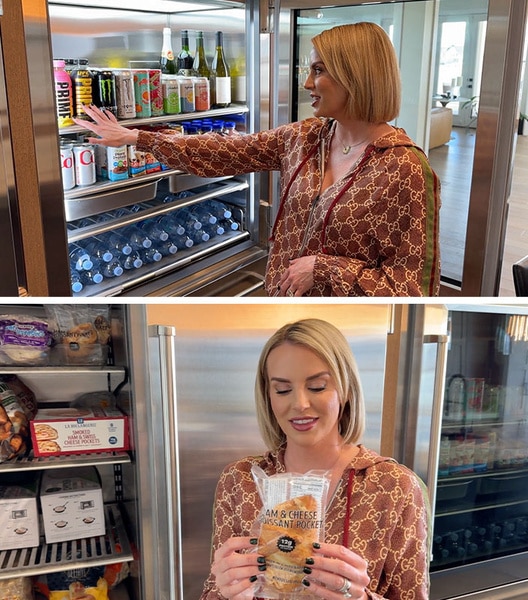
{"type": "Point", "coordinates": [481, 508]}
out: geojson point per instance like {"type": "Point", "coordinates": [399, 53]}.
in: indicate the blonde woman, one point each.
{"type": "Point", "coordinates": [311, 416]}
{"type": "Point", "coordinates": [359, 206]}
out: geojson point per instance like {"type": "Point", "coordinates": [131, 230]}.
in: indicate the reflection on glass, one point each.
{"type": "Point", "coordinates": [448, 119]}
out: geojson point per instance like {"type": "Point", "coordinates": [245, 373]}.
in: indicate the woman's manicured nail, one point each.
{"type": "Point", "coordinates": [306, 582]}
{"type": "Point", "coordinates": [307, 570]}
{"type": "Point", "coordinates": [253, 578]}
{"type": "Point", "coordinates": [316, 545]}
{"type": "Point", "coordinates": [262, 568]}
{"type": "Point", "coordinates": [310, 561]}
{"type": "Point", "coordinates": [261, 560]}
{"type": "Point", "coordinates": [253, 541]}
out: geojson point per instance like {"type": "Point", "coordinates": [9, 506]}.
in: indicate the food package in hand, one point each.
{"type": "Point", "coordinates": [291, 521]}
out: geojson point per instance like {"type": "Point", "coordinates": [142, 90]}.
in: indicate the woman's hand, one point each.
{"type": "Point", "coordinates": [105, 126]}
{"type": "Point", "coordinates": [298, 277]}
{"type": "Point", "coordinates": [335, 572]}
{"type": "Point", "coordinates": [236, 571]}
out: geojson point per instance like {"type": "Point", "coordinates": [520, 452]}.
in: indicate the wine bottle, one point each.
{"type": "Point", "coordinates": [167, 62]}
{"type": "Point", "coordinates": [221, 80]}
{"type": "Point", "coordinates": [185, 59]}
{"type": "Point", "coordinates": [200, 65]}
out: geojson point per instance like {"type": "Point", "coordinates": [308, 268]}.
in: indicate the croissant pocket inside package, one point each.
{"type": "Point", "coordinates": [292, 519]}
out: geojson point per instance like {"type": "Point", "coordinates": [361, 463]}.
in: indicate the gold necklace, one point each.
{"type": "Point", "coordinates": [346, 149]}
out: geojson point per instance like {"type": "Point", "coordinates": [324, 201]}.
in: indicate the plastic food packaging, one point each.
{"type": "Point", "coordinates": [24, 340]}
{"type": "Point", "coordinates": [292, 519]}
{"type": "Point", "coordinates": [16, 588]}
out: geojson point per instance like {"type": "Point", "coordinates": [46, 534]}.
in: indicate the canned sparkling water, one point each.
{"type": "Point", "coordinates": [126, 104]}
{"type": "Point", "coordinates": [186, 90]}
{"type": "Point", "coordinates": [84, 164]}
{"type": "Point", "coordinates": [171, 95]}
{"type": "Point", "coordinates": [67, 166]}
{"type": "Point", "coordinates": [156, 92]}
{"type": "Point", "coordinates": [202, 97]}
{"type": "Point", "coordinates": [142, 93]}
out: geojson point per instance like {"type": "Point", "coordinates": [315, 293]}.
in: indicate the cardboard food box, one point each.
{"type": "Point", "coordinates": [71, 501]}
{"type": "Point", "coordinates": [19, 521]}
{"type": "Point", "coordinates": [56, 431]}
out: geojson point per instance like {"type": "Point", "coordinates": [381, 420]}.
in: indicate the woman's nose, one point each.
{"type": "Point", "coordinates": [308, 84]}
{"type": "Point", "coordinates": [301, 400]}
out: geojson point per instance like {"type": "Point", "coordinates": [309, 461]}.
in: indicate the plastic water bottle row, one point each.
{"type": "Point", "coordinates": [113, 253]}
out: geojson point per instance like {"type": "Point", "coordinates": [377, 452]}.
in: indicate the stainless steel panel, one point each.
{"type": "Point", "coordinates": [8, 271]}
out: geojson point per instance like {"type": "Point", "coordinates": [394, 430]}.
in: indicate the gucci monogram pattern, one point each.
{"type": "Point", "coordinates": [374, 232]}
{"type": "Point", "coordinates": [388, 524]}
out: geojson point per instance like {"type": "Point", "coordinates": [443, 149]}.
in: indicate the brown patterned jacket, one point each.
{"type": "Point", "coordinates": [388, 521]}
{"type": "Point", "coordinates": [374, 232]}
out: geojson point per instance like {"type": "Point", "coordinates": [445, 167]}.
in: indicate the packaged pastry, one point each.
{"type": "Point", "coordinates": [24, 340]}
{"type": "Point", "coordinates": [292, 519]}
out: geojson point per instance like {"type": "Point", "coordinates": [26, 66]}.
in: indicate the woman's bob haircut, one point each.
{"type": "Point", "coordinates": [362, 59]}
{"type": "Point", "coordinates": [330, 345]}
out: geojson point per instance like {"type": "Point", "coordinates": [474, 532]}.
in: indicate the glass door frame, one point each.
{"type": "Point", "coordinates": [494, 144]}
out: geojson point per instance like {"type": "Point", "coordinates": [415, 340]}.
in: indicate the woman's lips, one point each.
{"type": "Point", "coordinates": [303, 424]}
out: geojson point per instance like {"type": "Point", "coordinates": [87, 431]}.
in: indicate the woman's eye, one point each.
{"type": "Point", "coordinates": [282, 392]}
{"type": "Point", "coordinates": [318, 388]}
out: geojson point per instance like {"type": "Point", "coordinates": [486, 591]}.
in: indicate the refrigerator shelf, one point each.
{"type": "Point", "coordinates": [234, 109]}
{"type": "Point", "coordinates": [31, 463]}
{"type": "Point", "coordinates": [116, 286]}
{"type": "Point", "coordinates": [60, 370]}
{"type": "Point", "coordinates": [480, 474]}
{"type": "Point", "coordinates": [113, 547]}
{"type": "Point", "coordinates": [156, 210]}
{"type": "Point", "coordinates": [478, 509]}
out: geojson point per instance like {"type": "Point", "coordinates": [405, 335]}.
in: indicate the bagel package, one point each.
{"type": "Point", "coordinates": [291, 521]}
{"type": "Point", "coordinates": [81, 333]}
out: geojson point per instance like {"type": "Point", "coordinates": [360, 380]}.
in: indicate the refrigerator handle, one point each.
{"type": "Point", "coordinates": [162, 346]}
{"type": "Point", "coordinates": [437, 413]}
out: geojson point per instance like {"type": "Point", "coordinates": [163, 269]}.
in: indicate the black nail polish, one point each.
{"type": "Point", "coordinates": [253, 578]}
{"type": "Point", "coordinates": [262, 568]}
{"type": "Point", "coordinates": [307, 570]}
{"type": "Point", "coordinates": [261, 560]}
{"type": "Point", "coordinates": [310, 561]}
{"type": "Point", "coordinates": [306, 582]}
{"type": "Point", "coordinates": [253, 541]}
{"type": "Point", "coordinates": [316, 545]}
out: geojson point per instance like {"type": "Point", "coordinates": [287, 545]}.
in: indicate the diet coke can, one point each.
{"type": "Point", "coordinates": [84, 164]}
{"type": "Point", "coordinates": [67, 166]}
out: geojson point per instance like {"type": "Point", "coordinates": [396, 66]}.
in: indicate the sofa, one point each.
{"type": "Point", "coordinates": [441, 125]}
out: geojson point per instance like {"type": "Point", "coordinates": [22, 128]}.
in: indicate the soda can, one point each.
{"type": "Point", "coordinates": [156, 93]}
{"type": "Point", "coordinates": [104, 91]}
{"type": "Point", "coordinates": [186, 91]}
{"type": "Point", "coordinates": [126, 104]}
{"type": "Point", "coordinates": [202, 94]}
{"type": "Point", "coordinates": [84, 164]}
{"type": "Point", "coordinates": [171, 95]}
{"type": "Point", "coordinates": [142, 93]}
{"type": "Point", "coordinates": [67, 166]}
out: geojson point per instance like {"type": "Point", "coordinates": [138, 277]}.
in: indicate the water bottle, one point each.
{"type": "Point", "coordinates": [167, 248]}
{"type": "Point", "coordinates": [150, 255]}
{"type": "Point", "coordinates": [199, 235]}
{"type": "Point", "coordinates": [111, 269]}
{"type": "Point", "coordinates": [91, 277]}
{"type": "Point", "coordinates": [182, 241]}
{"type": "Point", "coordinates": [230, 224]}
{"type": "Point", "coordinates": [171, 226]}
{"type": "Point", "coordinates": [219, 209]}
{"type": "Point", "coordinates": [154, 230]}
{"type": "Point", "coordinates": [214, 230]}
{"type": "Point", "coordinates": [188, 220]}
{"type": "Point", "coordinates": [137, 237]}
{"type": "Point", "coordinates": [203, 215]}
{"type": "Point", "coordinates": [132, 261]}
{"type": "Point", "coordinates": [117, 243]}
{"type": "Point", "coordinates": [79, 258]}
{"type": "Point", "coordinates": [76, 283]}
{"type": "Point", "coordinates": [97, 248]}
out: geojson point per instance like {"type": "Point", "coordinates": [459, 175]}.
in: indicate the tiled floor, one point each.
{"type": "Point", "coordinates": [516, 246]}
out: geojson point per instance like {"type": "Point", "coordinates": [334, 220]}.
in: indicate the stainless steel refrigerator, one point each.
{"type": "Point", "coordinates": [43, 223]}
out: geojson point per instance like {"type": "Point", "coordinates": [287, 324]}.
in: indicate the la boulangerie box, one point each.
{"type": "Point", "coordinates": [56, 431]}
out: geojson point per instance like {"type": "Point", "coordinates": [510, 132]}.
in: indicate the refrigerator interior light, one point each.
{"type": "Point", "coordinates": [162, 6]}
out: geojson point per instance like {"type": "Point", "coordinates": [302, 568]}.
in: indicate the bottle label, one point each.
{"type": "Point", "coordinates": [223, 90]}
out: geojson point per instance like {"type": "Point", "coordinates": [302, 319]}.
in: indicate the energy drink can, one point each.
{"type": "Point", "coordinates": [156, 93]}
{"type": "Point", "coordinates": [142, 93]}
{"type": "Point", "coordinates": [104, 92]}
{"type": "Point", "coordinates": [126, 104]}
